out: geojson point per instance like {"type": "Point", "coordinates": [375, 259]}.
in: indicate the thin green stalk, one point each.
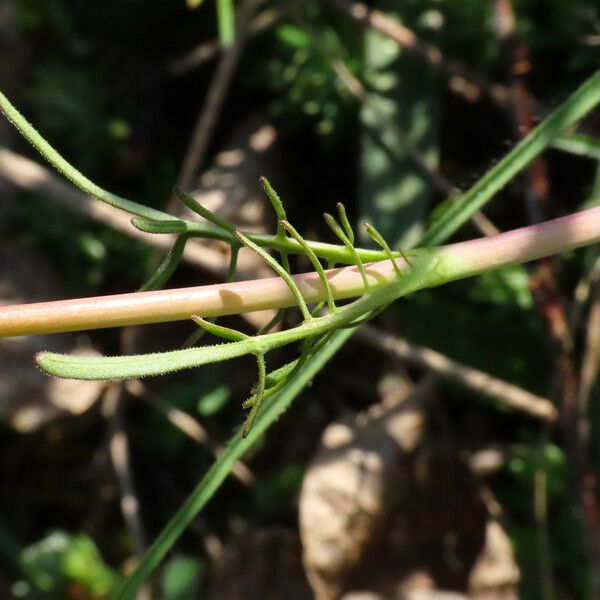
{"type": "Point", "coordinates": [337, 230]}
{"type": "Point", "coordinates": [210, 216]}
{"type": "Point", "coordinates": [314, 261]}
{"type": "Point", "coordinates": [274, 321]}
{"type": "Point", "coordinates": [278, 379]}
{"type": "Point", "coordinates": [226, 22]}
{"type": "Point", "coordinates": [216, 475]}
{"type": "Point", "coordinates": [280, 213]}
{"type": "Point", "coordinates": [378, 239]}
{"type": "Point", "coordinates": [193, 339]}
{"type": "Point", "coordinates": [281, 271]}
{"type": "Point", "coordinates": [258, 396]}
{"type": "Point", "coordinates": [168, 266]}
{"type": "Point", "coordinates": [345, 222]}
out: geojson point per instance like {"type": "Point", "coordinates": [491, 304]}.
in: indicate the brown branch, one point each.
{"type": "Point", "coordinates": [462, 80]}
{"type": "Point", "coordinates": [468, 377]}
{"type": "Point", "coordinates": [31, 176]}
{"type": "Point", "coordinates": [549, 302]}
{"type": "Point", "coordinates": [119, 454]}
{"type": "Point", "coordinates": [591, 355]}
{"type": "Point", "coordinates": [213, 102]}
{"type": "Point", "coordinates": [190, 427]}
{"type": "Point", "coordinates": [206, 51]}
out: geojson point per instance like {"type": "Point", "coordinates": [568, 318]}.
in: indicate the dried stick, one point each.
{"type": "Point", "coordinates": [119, 454]}
{"type": "Point", "coordinates": [591, 355]}
{"type": "Point", "coordinates": [468, 377]}
{"type": "Point", "coordinates": [546, 291]}
{"type": "Point", "coordinates": [206, 51]}
{"type": "Point", "coordinates": [190, 427]}
{"type": "Point", "coordinates": [462, 80]}
{"type": "Point", "coordinates": [217, 91]}
{"type": "Point", "coordinates": [30, 175]}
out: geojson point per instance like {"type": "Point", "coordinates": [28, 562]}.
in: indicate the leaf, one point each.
{"type": "Point", "coordinates": [61, 557]}
{"type": "Point", "coordinates": [152, 226]}
{"type": "Point", "coordinates": [293, 36]}
{"type": "Point", "coordinates": [141, 365]}
{"type": "Point", "coordinates": [213, 401]}
{"type": "Point", "coordinates": [181, 578]}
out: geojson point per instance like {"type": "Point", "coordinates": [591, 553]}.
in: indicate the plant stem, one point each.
{"type": "Point", "coordinates": [444, 264]}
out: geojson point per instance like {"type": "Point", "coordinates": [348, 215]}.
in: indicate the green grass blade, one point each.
{"type": "Point", "coordinates": [578, 144]}
{"type": "Point", "coordinates": [237, 447]}
{"type": "Point", "coordinates": [584, 99]}
{"type": "Point", "coordinates": [226, 22]}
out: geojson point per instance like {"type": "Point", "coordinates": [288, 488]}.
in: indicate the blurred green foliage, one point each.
{"type": "Point", "coordinates": [538, 474]}
{"type": "Point", "coordinates": [299, 73]}
{"type": "Point", "coordinates": [181, 578]}
{"type": "Point", "coordinates": [57, 562]}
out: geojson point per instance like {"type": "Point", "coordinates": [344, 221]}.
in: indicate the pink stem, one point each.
{"type": "Point", "coordinates": [454, 261]}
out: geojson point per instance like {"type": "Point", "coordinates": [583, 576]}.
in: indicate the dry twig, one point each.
{"type": "Point", "coordinates": [206, 51]}
{"type": "Point", "coordinates": [468, 377]}
{"type": "Point", "coordinates": [31, 176]}
{"type": "Point", "coordinates": [462, 80]}
{"type": "Point", "coordinates": [119, 454]}
{"type": "Point", "coordinates": [211, 108]}
{"type": "Point", "coordinates": [190, 427]}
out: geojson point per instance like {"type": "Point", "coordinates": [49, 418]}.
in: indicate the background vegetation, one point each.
{"type": "Point", "coordinates": [353, 115]}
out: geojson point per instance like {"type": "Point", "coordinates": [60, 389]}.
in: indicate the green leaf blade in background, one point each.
{"type": "Point", "coordinates": [181, 578]}
{"type": "Point", "coordinates": [399, 120]}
